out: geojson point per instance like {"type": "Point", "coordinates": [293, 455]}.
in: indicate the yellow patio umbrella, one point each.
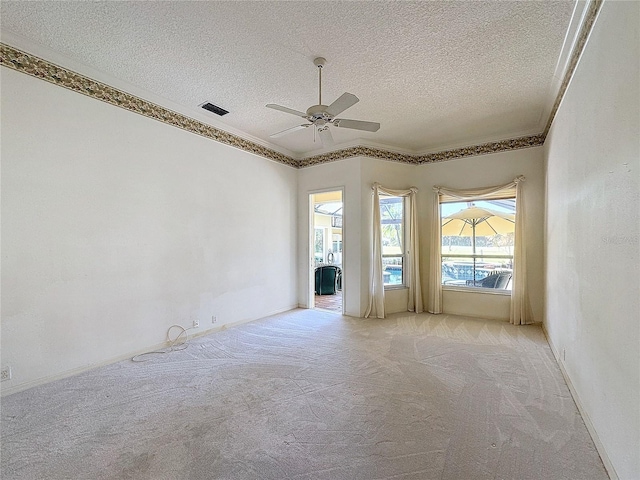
{"type": "Point", "coordinates": [477, 221]}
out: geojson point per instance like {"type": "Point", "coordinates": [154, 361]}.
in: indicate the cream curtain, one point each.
{"type": "Point", "coordinates": [520, 311]}
{"type": "Point", "coordinates": [376, 290]}
{"type": "Point", "coordinates": [435, 260]}
{"type": "Point", "coordinates": [412, 270]}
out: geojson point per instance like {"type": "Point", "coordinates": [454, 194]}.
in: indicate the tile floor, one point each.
{"type": "Point", "coordinates": [330, 302]}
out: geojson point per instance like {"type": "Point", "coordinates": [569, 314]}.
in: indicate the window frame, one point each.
{"type": "Point", "coordinates": [444, 199]}
{"type": "Point", "coordinates": [404, 251]}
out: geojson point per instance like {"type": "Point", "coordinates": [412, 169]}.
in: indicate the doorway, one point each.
{"type": "Point", "coordinates": [327, 253]}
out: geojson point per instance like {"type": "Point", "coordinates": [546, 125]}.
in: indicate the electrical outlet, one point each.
{"type": "Point", "coordinates": [5, 374]}
{"type": "Point", "coordinates": [214, 319]}
{"type": "Point", "coordinates": [196, 323]}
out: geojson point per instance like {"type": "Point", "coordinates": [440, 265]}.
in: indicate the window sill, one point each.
{"type": "Point", "coordinates": [488, 291]}
{"type": "Point", "coordinates": [395, 287]}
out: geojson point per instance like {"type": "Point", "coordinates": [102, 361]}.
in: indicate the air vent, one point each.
{"type": "Point", "coordinates": [215, 109]}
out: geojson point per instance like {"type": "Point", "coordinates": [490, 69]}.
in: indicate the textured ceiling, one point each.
{"type": "Point", "coordinates": [435, 74]}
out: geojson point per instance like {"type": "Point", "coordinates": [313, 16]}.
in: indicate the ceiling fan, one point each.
{"type": "Point", "coordinates": [322, 116]}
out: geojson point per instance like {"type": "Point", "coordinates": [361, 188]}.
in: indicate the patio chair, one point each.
{"type": "Point", "coordinates": [498, 280]}
{"type": "Point", "coordinates": [326, 278]}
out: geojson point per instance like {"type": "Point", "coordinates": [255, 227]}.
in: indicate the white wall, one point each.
{"type": "Point", "coordinates": [485, 171]}
{"type": "Point", "coordinates": [115, 226]}
{"type": "Point", "coordinates": [592, 235]}
{"type": "Point", "coordinates": [357, 175]}
{"type": "Point", "coordinates": [344, 175]}
{"type": "Point", "coordinates": [392, 175]}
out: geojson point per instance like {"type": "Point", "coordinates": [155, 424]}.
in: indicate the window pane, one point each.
{"type": "Point", "coordinates": [392, 226]}
{"type": "Point", "coordinates": [488, 272]}
{"type": "Point", "coordinates": [392, 270]}
{"type": "Point", "coordinates": [391, 216]}
{"type": "Point", "coordinates": [318, 245]}
{"type": "Point", "coordinates": [477, 243]}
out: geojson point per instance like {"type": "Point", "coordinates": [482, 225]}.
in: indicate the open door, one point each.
{"type": "Point", "coordinates": [326, 248]}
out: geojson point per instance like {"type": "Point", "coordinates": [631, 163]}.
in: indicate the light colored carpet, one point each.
{"type": "Point", "coordinates": [313, 395]}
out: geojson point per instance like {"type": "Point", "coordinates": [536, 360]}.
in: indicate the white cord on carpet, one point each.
{"type": "Point", "coordinates": [173, 344]}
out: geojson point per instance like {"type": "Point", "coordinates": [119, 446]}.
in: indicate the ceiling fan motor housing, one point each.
{"type": "Point", "coordinates": [318, 112]}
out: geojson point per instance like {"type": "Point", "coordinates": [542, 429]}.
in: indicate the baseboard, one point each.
{"type": "Point", "coordinates": [76, 371]}
{"type": "Point", "coordinates": [241, 322]}
{"type": "Point", "coordinates": [4, 391]}
{"type": "Point", "coordinates": [585, 416]}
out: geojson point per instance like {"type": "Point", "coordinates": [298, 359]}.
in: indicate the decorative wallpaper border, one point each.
{"type": "Point", "coordinates": [39, 68]}
{"type": "Point", "coordinates": [484, 149]}
{"type": "Point", "coordinates": [31, 65]}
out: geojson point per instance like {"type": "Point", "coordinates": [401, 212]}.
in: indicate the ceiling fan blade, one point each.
{"type": "Point", "coordinates": [325, 137]}
{"type": "Point", "coordinates": [290, 130]}
{"type": "Point", "coordinates": [345, 101]}
{"type": "Point", "coordinates": [287, 110]}
{"type": "Point", "coordinates": [356, 124]}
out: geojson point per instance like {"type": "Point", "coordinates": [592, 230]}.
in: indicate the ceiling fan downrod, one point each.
{"type": "Point", "coordinates": [319, 62]}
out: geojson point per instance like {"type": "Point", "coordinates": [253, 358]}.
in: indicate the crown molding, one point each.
{"type": "Point", "coordinates": [588, 15]}
{"type": "Point", "coordinates": [37, 67]}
